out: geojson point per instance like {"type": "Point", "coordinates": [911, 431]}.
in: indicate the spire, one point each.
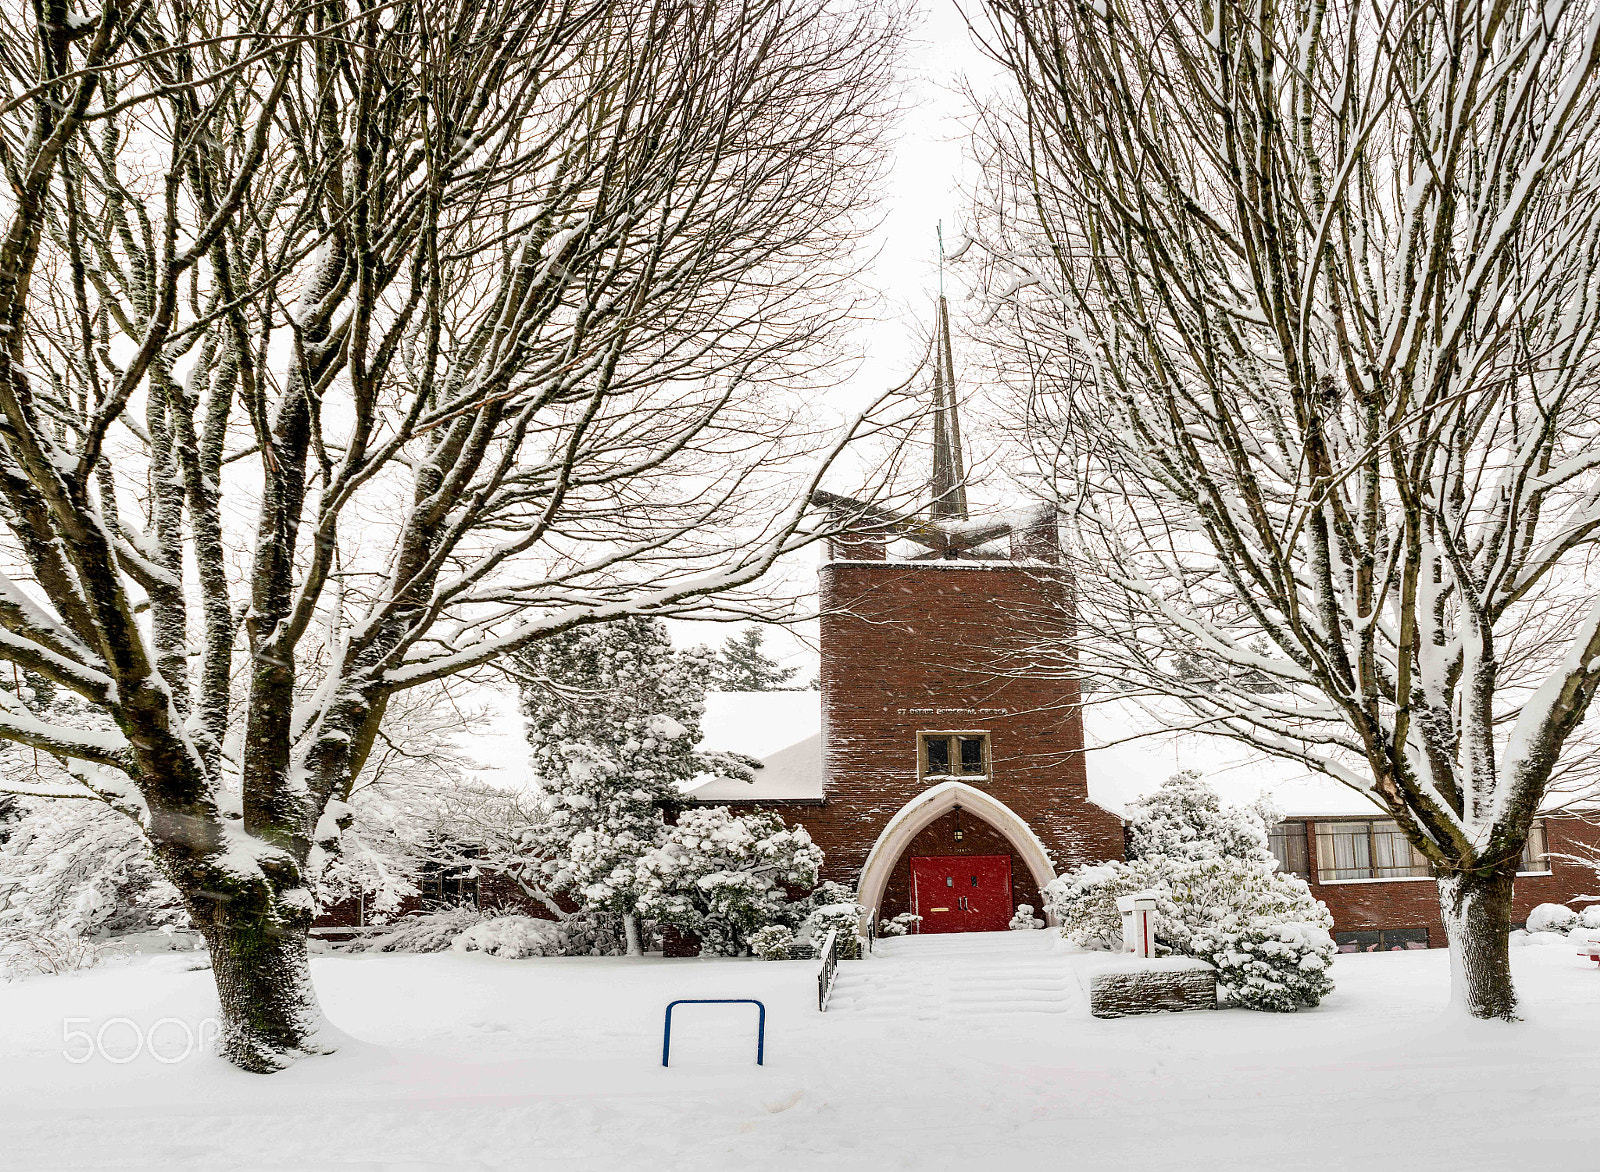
{"type": "Point", "coordinates": [949, 476]}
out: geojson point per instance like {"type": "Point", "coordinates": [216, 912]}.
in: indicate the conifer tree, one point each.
{"type": "Point", "coordinates": [613, 715]}
{"type": "Point", "coordinates": [742, 666]}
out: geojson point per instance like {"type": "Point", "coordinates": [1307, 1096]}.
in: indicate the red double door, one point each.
{"type": "Point", "coordinates": [961, 893]}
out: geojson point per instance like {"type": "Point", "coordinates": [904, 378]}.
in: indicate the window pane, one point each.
{"type": "Point", "coordinates": [971, 754]}
{"type": "Point", "coordinates": [938, 750]}
{"type": "Point", "coordinates": [1533, 851]}
{"type": "Point", "coordinates": [1288, 842]}
{"type": "Point", "coordinates": [1393, 856]}
{"type": "Point", "coordinates": [1343, 851]}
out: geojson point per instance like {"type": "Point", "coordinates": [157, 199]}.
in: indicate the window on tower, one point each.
{"type": "Point", "coordinates": [955, 754]}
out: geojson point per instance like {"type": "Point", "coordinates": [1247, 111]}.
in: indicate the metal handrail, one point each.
{"type": "Point", "coordinates": [830, 964]}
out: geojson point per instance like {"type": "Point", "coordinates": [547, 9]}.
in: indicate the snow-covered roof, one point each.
{"type": "Point", "coordinates": [782, 730]}
{"type": "Point", "coordinates": [1130, 754]}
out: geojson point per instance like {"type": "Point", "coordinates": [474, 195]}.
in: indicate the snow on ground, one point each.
{"type": "Point", "coordinates": [971, 1052]}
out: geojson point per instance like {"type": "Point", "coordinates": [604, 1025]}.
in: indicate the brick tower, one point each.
{"type": "Point", "coordinates": [953, 783]}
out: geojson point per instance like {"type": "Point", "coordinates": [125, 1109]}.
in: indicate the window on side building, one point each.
{"type": "Point", "coordinates": [441, 887]}
{"type": "Point", "coordinates": [1372, 848]}
{"type": "Point", "coordinates": [1535, 858]}
{"type": "Point", "coordinates": [1288, 842]}
{"type": "Point", "coordinates": [964, 755]}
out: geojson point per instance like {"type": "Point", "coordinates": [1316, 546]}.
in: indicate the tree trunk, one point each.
{"type": "Point", "coordinates": [630, 928]}
{"type": "Point", "coordinates": [268, 1009]}
{"type": "Point", "coordinates": [1476, 907]}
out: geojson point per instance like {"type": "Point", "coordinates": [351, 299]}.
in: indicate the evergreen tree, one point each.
{"type": "Point", "coordinates": [613, 715]}
{"type": "Point", "coordinates": [742, 666]}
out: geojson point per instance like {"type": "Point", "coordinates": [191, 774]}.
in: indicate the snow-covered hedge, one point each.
{"type": "Point", "coordinates": [426, 932]}
{"type": "Point", "coordinates": [1552, 917]}
{"type": "Point", "coordinates": [1219, 898]}
{"type": "Point", "coordinates": [514, 937]}
{"type": "Point", "coordinates": [1590, 916]}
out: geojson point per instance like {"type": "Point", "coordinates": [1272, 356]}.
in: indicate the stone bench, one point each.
{"type": "Point", "coordinates": [1121, 988]}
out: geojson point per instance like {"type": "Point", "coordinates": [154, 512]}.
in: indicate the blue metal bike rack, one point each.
{"type": "Point", "coordinates": [761, 1025]}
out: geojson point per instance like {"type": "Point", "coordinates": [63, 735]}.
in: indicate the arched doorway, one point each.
{"type": "Point", "coordinates": [941, 802]}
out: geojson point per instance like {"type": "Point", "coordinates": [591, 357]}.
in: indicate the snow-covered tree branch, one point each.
{"type": "Point", "coordinates": [1305, 301]}
{"type": "Point", "coordinates": [351, 345]}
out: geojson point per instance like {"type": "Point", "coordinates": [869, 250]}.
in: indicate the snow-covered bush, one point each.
{"type": "Point", "coordinates": [1589, 917]}
{"type": "Point", "coordinates": [846, 917]}
{"type": "Point", "coordinates": [1276, 967]}
{"type": "Point", "coordinates": [1084, 902]}
{"type": "Point", "coordinates": [1219, 898]}
{"type": "Point", "coordinates": [900, 925]}
{"type": "Point", "coordinates": [26, 952]}
{"type": "Point", "coordinates": [80, 868]}
{"type": "Point", "coordinates": [1269, 941]}
{"type": "Point", "coordinates": [773, 942]}
{"type": "Point", "coordinates": [1552, 917]}
{"type": "Point", "coordinates": [1025, 920]}
{"type": "Point", "coordinates": [514, 937]}
{"type": "Point", "coordinates": [426, 932]}
{"type": "Point", "coordinates": [725, 876]}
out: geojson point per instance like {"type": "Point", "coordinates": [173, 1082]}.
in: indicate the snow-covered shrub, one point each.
{"type": "Point", "coordinates": [514, 937]}
{"type": "Point", "coordinates": [1219, 898]}
{"type": "Point", "coordinates": [773, 942]}
{"type": "Point", "coordinates": [1025, 920]}
{"type": "Point", "coordinates": [1552, 917]}
{"type": "Point", "coordinates": [900, 925]}
{"type": "Point", "coordinates": [844, 916]}
{"type": "Point", "coordinates": [725, 876]}
{"type": "Point", "coordinates": [28, 952]}
{"type": "Point", "coordinates": [1275, 967]}
{"type": "Point", "coordinates": [80, 868]}
{"type": "Point", "coordinates": [1589, 917]}
{"type": "Point", "coordinates": [1084, 902]}
{"type": "Point", "coordinates": [425, 932]}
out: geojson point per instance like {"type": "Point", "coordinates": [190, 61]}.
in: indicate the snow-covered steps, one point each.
{"type": "Point", "coordinates": [974, 976]}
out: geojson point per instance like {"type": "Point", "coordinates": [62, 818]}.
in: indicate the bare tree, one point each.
{"type": "Point", "coordinates": [350, 345]}
{"type": "Point", "coordinates": [1305, 297]}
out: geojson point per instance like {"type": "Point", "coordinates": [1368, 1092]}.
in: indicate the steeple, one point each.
{"type": "Point", "coordinates": [949, 475]}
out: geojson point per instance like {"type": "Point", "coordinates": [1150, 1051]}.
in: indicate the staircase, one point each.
{"type": "Point", "coordinates": [987, 977]}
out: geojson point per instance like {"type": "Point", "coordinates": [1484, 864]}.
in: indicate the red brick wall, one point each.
{"type": "Point", "coordinates": [1414, 903]}
{"type": "Point", "coordinates": [909, 647]}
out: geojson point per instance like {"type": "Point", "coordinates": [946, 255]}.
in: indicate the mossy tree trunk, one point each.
{"type": "Point", "coordinates": [1476, 907]}
{"type": "Point", "coordinates": [268, 1011]}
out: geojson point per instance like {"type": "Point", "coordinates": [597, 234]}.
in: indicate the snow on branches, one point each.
{"type": "Point", "coordinates": [1305, 303]}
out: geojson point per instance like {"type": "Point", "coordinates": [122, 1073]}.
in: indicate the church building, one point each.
{"type": "Point", "coordinates": [942, 780]}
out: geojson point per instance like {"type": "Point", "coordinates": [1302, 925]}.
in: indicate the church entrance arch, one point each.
{"type": "Point", "coordinates": [929, 807]}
